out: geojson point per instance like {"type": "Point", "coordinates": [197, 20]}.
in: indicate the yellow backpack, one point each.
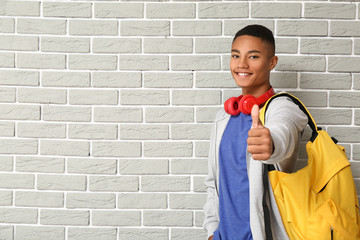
{"type": "Point", "coordinates": [318, 202]}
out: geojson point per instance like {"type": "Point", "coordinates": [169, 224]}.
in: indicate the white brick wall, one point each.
{"type": "Point", "coordinates": [106, 106]}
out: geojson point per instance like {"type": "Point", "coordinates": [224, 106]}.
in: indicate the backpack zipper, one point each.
{"type": "Point", "coordinates": [332, 233]}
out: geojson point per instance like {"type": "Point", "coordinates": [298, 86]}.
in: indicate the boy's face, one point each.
{"type": "Point", "coordinates": [251, 63]}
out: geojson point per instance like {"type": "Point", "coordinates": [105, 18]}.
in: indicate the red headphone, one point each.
{"type": "Point", "coordinates": [244, 104]}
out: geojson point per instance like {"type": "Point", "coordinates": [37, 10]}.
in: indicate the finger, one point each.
{"type": "Point", "coordinates": [256, 123]}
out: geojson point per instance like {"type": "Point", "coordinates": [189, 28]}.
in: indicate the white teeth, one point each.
{"type": "Point", "coordinates": [243, 74]}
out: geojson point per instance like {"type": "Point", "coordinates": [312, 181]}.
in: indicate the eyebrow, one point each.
{"type": "Point", "coordinates": [249, 52]}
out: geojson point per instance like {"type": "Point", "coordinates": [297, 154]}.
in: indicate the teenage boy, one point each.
{"type": "Point", "coordinates": [240, 145]}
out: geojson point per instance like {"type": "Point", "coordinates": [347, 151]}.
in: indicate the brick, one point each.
{"type": "Point", "coordinates": [355, 166]}
{"type": "Point", "coordinates": [41, 130]}
{"type": "Point", "coordinates": [214, 80]}
{"type": "Point", "coordinates": [325, 81]}
{"type": "Point", "coordinates": [6, 163]}
{"type": "Point", "coordinates": [230, 93]}
{"type": "Point", "coordinates": [143, 233]}
{"type": "Point", "coordinates": [65, 79]}
{"type": "Point", "coordinates": [301, 63]}
{"type": "Point", "coordinates": [223, 10]}
{"type": "Point", "coordinates": [117, 114]}
{"type": "Point", "coordinates": [92, 166]}
{"type": "Point", "coordinates": [119, 10]}
{"type": "Point", "coordinates": [144, 132]}
{"type": "Point", "coordinates": [18, 215]}
{"type": "Point", "coordinates": [169, 115]}
{"type": "Point", "coordinates": [7, 60]}
{"type": "Point", "coordinates": [116, 79]}
{"type": "Point", "coordinates": [39, 199]}
{"type": "Point", "coordinates": [356, 81]}
{"type": "Point", "coordinates": [286, 45]}
{"type": "Point", "coordinates": [116, 218]}
{"type": "Point", "coordinates": [196, 97]}
{"type": "Point", "coordinates": [6, 198]}
{"type": "Point", "coordinates": [165, 184]}
{"type": "Point", "coordinates": [168, 149]}
{"type": "Point", "coordinates": [344, 64]}
{"type": "Point", "coordinates": [275, 10]}
{"type": "Point", "coordinates": [91, 200]}
{"type": "Point", "coordinates": [67, 9]}
{"type": "Point", "coordinates": [231, 27]}
{"type": "Point", "coordinates": [19, 43]}
{"type": "Point", "coordinates": [113, 184]}
{"type": "Point", "coordinates": [201, 149]}
{"type": "Point", "coordinates": [213, 45]}
{"type": "Point", "coordinates": [357, 117]}
{"type": "Point", "coordinates": [356, 152]}
{"type": "Point", "coordinates": [64, 217]}
{"type": "Point", "coordinates": [65, 148]}
{"type": "Point", "coordinates": [40, 164]}
{"type": "Point", "coordinates": [93, 27]}
{"type": "Point", "coordinates": [302, 28]}
{"type": "Point", "coordinates": [99, 97]}
{"type": "Point", "coordinates": [357, 46]}
{"type": "Point", "coordinates": [7, 94]}
{"type": "Point", "coordinates": [345, 134]}
{"type": "Point", "coordinates": [168, 218]}
{"type": "Point", "coordinates": [6, 232]}
{"type": "Point", "coordinates": [19, 77]}
{"type": "Point", "coordinates": [19, 112]}
{"type": "Point", "coordinates": [199, 218]}
{"type": "Point", "coordinates": [92, 131]}
{"type": "Point", "coordinates": [65, 44]}
{"type": "Point", "coordinates": [20, 8]}
{"type": "Point", "coordinates": [41, 95]}
{"type": "Point", "coordinates": [116, 149]}
{"type": "Point", "coordinates": [142, 201]}
{"type": "Point", "coordinates": [61, 182]}
{"type": "Point", "coordinates": [184, 233]}
{"type": "Point", "coordinates": [92, 62]}
{"type": "Point", "coordinates": [344, 99]}
{"type": "Point", "coordinates": [116, 45]}
{"type": "Point", "coordinates": [40, 61]}
{"type": "Point", "coordinates": [344, 28]}
{"type": "Point", "coordinates": [66, 113]}
{"type": "Point", "coordinates": [168, 45]}
{"type": "Point", "coordinates": [190, 131]}
{"type": "Point", "coordinates": [311, 99]}
{"type": "Point", "coordinates": [91, 233]}
{"type": "Point", "coordinates": [195, 63]}
{"type": "Point", "coordinates": [18, 146]}
{"type": "Point", "coordinates": [330, 10]}
{"type": "Point", "coordinates": [168, 80]}
{"type": "Point", "coordinates": [196, 28]}
{"type": "Point", "coordinates": [144, 97]}
{"type": "Point", "coordinates": [41, 26]}
{"type": "Point", "coordinates": [39, 233]}
{"type": "Point", "coordinates": [326, 46]}
{"type": "Point", "coordinates": [143, 166]}
{"type": "Point", "coordinates": [332, 116]}
{"type": "Point", "coordinates": [283, 79]}
{"type": "Point", "coordinates": [170, 10]}
{"type": "Point", "coordinates": [189, 166]}
{"type": "Point", "coordinates": [144, 62]}
{"type": "Point", "coordinates": [198, 184]}
{"type": "Point", "coordinates": [7, 25]}
{"type": "Point", "coordinates": [144, 28]}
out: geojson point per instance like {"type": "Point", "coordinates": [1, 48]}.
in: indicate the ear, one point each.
{"type": "Point", "coordinates": [273, 62]}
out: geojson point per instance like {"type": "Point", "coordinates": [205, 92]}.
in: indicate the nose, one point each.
{"type": "Point", "coordinates": [242, 62]}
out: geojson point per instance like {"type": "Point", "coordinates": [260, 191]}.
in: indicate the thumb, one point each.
{"type": "Point", "coordinates": [256, 123]}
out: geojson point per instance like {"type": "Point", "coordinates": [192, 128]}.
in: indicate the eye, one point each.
{"type": "Point", "coordinates": [254, 57]}
{"type": "Point", "coordinates": [235, 56]}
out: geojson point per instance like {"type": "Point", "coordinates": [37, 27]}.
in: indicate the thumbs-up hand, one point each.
{"type": "Point", "coordinates": [260, 143]}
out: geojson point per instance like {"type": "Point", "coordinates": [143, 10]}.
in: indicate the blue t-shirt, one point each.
{"type": "Point", "coordinates": [234, 207]}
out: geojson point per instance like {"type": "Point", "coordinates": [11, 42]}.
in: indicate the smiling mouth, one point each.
{"type": "Point", "coordinates": [244, 74]}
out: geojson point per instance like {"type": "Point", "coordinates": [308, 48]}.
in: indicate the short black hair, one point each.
{"type": "Point", "coordinates": [259, 31]}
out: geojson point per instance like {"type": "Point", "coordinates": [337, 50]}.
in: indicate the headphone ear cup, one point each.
{"type": "Point", "coordinates": [246, 103]}
{"type": "Point", "coordinates": [231, 106]}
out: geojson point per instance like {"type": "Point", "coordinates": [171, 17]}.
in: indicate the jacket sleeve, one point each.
{"type": "Point", "coordinates": [211, 221]}
{"type": "Point", "coordinates": [286, 122]}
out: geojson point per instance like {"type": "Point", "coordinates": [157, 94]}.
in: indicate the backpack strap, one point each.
{"type": "Point", "coordinates": [311, 121]}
